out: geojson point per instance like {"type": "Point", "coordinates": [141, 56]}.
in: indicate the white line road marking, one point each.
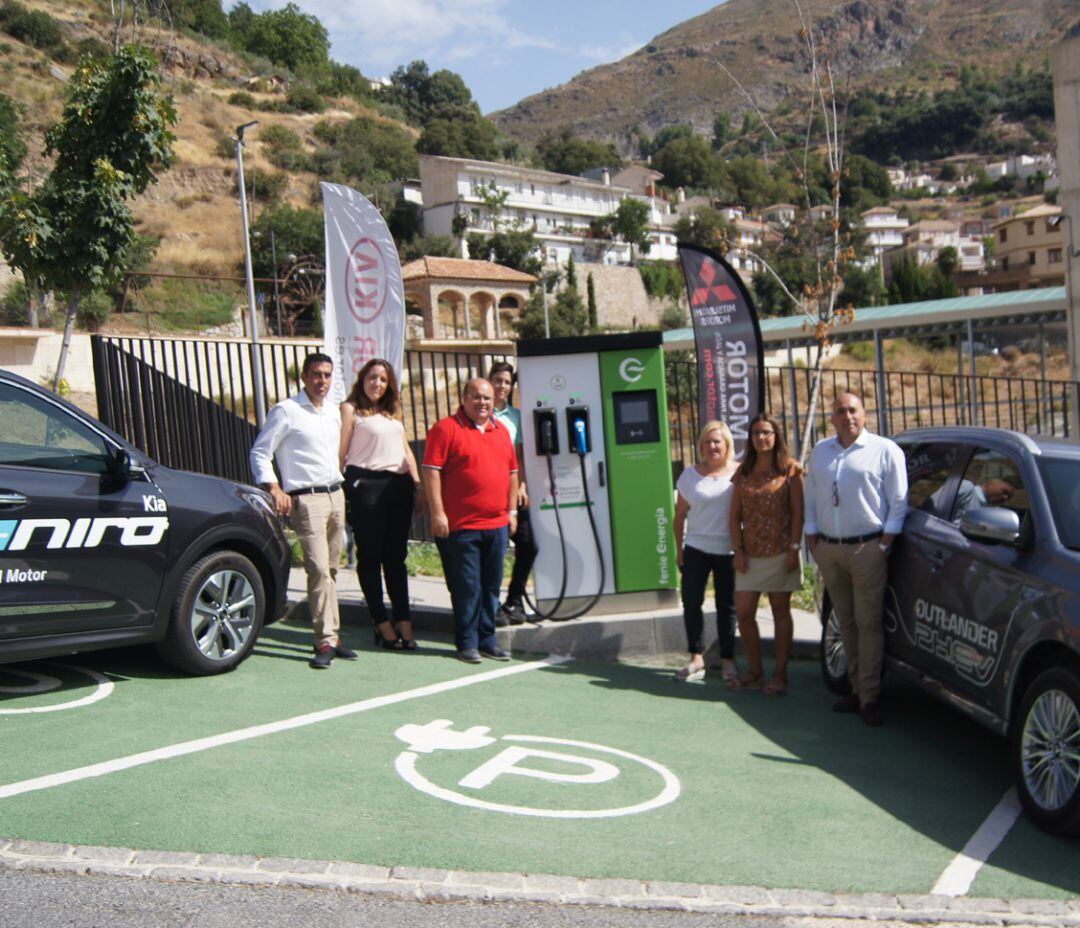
{"type": "Point", "coordinates": [957, 878]}
{"type": "Point", "coordinates": [258, 731]}
{"type": "Point", "coordinates": [46, 684]}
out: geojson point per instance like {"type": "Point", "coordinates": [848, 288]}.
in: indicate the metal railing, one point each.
{"type": "Point", "coordinates": [189, 402]}
{"type": "Point", "coordinates": [894, 401]}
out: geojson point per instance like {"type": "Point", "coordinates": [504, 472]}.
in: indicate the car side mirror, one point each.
{"type": "Point", "coordinates": [120, 465]}
{"type": "Point", "coordinates": [991, 524]}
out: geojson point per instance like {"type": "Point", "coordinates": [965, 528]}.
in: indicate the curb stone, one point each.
{"type": "Point", "coordinates": [464, 886]}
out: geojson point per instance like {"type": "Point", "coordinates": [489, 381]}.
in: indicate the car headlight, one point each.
{"type": "Point", "coordinates": [259, 500]}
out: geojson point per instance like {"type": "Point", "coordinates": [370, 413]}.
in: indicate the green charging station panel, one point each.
{"type": "Point", "coordinates": [638, 446]}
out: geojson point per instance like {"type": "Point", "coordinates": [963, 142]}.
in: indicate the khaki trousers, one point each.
{"type": "Point", "coordinates": [319, 520]}
{"type": "Point", "coordinates": [855, 578]}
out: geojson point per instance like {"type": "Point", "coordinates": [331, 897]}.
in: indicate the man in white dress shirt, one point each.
{"type": "Point", "coordinates": [856, 500]}
{"type": "Point", "coordinates": [303, 432]}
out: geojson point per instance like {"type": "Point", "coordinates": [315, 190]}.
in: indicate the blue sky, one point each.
{"type": "Point", "coordinates": [504, 49]}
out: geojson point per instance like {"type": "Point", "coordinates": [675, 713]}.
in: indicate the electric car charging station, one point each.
{"type": "Point", "coordinates": [598, 467]}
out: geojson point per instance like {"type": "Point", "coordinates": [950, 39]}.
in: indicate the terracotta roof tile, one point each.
{"type": "Point", "coordinates": [462, 269]}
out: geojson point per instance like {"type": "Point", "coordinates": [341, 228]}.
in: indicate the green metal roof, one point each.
{"type": "Point", "coordinates": [1049, 301]}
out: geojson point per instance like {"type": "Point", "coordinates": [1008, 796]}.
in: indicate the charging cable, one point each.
{"type": "Point", "coordinates": [581, 448]}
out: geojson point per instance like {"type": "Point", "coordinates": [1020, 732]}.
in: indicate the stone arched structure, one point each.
{"type": "Point", "coordinates": [466, 299]}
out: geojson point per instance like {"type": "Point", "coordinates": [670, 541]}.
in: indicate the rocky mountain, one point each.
{"type": "Point", "coordinates": [688, 74]}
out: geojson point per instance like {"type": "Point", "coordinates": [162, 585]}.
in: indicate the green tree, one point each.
{"type": "Point", "coordinates": [288, 37]}
{"type": "Point", "coordinates": [514, 248]}
{"type": "Point", "coordinates": [113, 138]}
{"type": "Point", "coordinates": [565, 153]}
{"type": "Point", "coordinates": [948, 261]}
{"type": "Point", "coordinates": [590, 298]}
{"type": "Point", "coordinates": [12, 144]}
{"type": "Point", "coordinates": [468, 135]}
{"type": "Point", "coordinates": [705, 227]}
{"type": "Point", "coordinates": [665, 136]}
{"type": "Point", "coordinates": [365, 150]}
{"type": "Point", "coordinates": [566, 315]}
{"type": "Point", "coordinates": [202, 16]}
{"type": "Point", "coordinates": [436, 246]}
{"type": "Point", "coordinates": [424, 96]}
{"type": "Point", "coordinates": [630, 222]}
{"type": "Point", "coordinates": [571, 273]}
{"type": "Point", "coordinates": [721, 130]}
{"type": "Point", "coordinates": [686, 161]}
{"type": "Point", "coordinates": [297, 231]}
{"type": "Point", "coordinates": [862, 286]}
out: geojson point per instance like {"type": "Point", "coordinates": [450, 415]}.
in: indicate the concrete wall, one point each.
{"type": "Point", "coordinates": [34, 353]}
{"type": "Point", "coordinates": [1066, 68]}
{"type": "Point", "coordinates": [621, 300]}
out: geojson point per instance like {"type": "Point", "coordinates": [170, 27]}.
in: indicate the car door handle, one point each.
{"type": "Point", "coordinates": [10, 498]}
{"type": "Point", "coordinates": [936, 559]}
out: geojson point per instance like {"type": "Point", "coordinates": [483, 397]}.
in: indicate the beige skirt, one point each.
{"type": "Point", "coordinates": [767, 575]}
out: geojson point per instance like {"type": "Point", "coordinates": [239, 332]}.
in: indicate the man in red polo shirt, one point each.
{"type": "Point", "coordinates": [470, 480]}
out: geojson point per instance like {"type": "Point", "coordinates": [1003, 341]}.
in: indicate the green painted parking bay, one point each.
{"type": "Point", "coordinates": [569, 767]}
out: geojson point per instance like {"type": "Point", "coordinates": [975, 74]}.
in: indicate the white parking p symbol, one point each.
{"type": "Point", "coordinates": [508, 762]}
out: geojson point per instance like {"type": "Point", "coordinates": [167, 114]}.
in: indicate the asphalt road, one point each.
{"type": "Point", "coordinates": [32, 900]}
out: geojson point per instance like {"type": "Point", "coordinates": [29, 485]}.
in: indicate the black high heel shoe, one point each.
{"type": "Point", "coordinates": [391, 644]}
{"type": "Point", "coordinates": [407, 644]}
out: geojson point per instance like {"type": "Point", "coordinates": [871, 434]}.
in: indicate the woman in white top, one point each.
{"type": "Point", "coordinates": [382, 488]}
{"type": "Point", "coordinates": [703, 542]}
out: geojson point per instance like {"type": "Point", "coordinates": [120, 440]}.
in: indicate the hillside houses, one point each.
{"type": "Point", "coordinates": [562, 211]}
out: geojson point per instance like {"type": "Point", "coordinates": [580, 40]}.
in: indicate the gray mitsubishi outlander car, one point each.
{"type": "Point", "coordinates": [983, 602]}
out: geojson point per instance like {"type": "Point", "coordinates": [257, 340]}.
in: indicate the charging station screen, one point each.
{"type": "Point", "coordinates": [636, 419]}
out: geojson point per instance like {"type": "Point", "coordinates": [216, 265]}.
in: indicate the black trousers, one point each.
{"type": "Point", "coordinates": [697, 565]}
{"type": "Point", "coordinates": [380, 511]}
{"type": "Point", "coordinates": [525, 552]}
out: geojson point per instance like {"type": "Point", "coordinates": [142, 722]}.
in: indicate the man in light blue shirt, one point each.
{"type": "Point", "coordinates": [856, 500]}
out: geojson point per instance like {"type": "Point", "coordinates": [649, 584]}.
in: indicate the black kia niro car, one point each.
{"type": "Point", "coordinates": [101, 546]}
{"type": "Point", "coordinates": [982, 606]}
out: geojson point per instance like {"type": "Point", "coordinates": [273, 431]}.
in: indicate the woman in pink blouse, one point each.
{"type": "Point", "coordinates": [766, 532]}
{"type": "Point", "coordinates": [382, 487]}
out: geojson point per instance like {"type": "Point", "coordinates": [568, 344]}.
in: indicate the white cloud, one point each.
{"type": "Point", "coordinates": [379, 35]}
{"type": "Point", "coordinates": [602, 54]}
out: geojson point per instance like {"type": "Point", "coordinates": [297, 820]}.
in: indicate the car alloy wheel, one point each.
{"type": "Point", "coordinates": [1047, 751]}
{"type": "Point", "coordinates": [219, 608]}
{"type": "Point", "coordinates": [833, 657]}
{"type": "Point", "coordinates": [223, 614]}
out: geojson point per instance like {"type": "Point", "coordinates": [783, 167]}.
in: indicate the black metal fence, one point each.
{"type": "Point", "coordinates": [190, 402]}
{"type": "Point", "coordinates": [168, 417]}
{"type": "Point", "coordinates": [894, 401]}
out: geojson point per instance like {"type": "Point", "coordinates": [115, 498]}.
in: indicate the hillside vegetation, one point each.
{"type": "Point", "coordinates": [685, 75]}
{"type": "Point", "coordinates": [673, 101]}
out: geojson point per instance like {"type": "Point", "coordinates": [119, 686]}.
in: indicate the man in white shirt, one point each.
{"type": "Point", "coordinates": [856, 500]}
{"type": "Point", "coordinates": [303, 432]}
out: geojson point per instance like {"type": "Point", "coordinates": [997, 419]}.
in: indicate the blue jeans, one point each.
{"type": "Point", "coordinates": [472, 561]}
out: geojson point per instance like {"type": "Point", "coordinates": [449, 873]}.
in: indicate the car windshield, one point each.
{"type": "Point", "coordinates": [1062, 479]}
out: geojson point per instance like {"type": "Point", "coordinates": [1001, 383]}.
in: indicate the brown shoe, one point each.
{"type": "Point", "coordinates": [849, 703]}
{"type": "Point", "coordinates": [871, 715]}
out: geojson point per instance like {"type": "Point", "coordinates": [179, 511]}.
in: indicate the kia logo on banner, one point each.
{"type": "Point", "coordinates": [365, 280]}
{"type": "Point", "coordinates": [727, 337]}
{"type": "Point", "coordinates": [365, 298]}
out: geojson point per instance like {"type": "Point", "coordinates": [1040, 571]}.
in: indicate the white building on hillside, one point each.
{"type": "Point", "coordinates": [558, 208]}
{"type": "Point", "coordinates": [884, 229]}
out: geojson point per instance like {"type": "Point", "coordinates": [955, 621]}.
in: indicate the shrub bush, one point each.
{"type": "Point", "coordinates": [94, 308]}
{"type": "Point", "coordinates": [244, 99]}
{"type": "Point", "coordinates": [33, 27]}
{"type": "Point", "coordinates": [304, 98]}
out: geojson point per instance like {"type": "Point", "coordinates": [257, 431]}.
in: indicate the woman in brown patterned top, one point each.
{"type": "Point", "coordinates": [766, 531]}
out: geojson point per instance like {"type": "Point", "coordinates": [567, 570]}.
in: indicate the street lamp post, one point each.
{"type": "Point", "coordinates": [277, 298]}
{"type": "Point", "coordinates": [256, 352]}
